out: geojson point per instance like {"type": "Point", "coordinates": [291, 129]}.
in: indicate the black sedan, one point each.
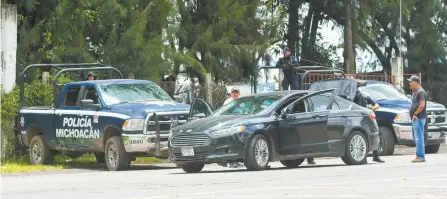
{"type": "Point", "coordinates": [285, 126]}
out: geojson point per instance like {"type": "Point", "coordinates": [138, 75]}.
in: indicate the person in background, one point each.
{"type": "Point", "coordinates": [367, 102]}
{"type": "Point", "coordinates": [91, 76]}
{"type": "Point", "coordinates": [418, 114]}
{"type": "Point", "coordinates": [234, 94]}
{"type": "Point", "coordinates": [288, 64]}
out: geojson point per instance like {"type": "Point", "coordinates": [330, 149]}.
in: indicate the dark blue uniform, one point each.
{"type": "Point", "coordinates": [287, 65]}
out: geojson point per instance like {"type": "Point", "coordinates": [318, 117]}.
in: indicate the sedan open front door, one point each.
{"type": "Point", "coordinates": [303, 125]}
{"type": "Point", "coordinates": [199, 109]}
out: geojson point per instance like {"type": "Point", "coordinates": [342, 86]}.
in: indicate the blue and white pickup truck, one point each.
{"type": "Point", "coordinates": [117, 119]}
{"type": "Point", "coordinates": [393, 115]}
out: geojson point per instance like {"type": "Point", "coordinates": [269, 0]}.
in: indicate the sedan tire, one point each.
{"type": "Point", "coordinates": [193, 168]}
{"type": "Point", "coordinates": [292, 163]}
{"type": "Point", "coordinates": [356, 149]}
{"type": "Point", "coordinates": [258, 153]}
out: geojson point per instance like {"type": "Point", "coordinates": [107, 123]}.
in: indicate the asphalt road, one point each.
{"type": "Point", "coordinates": [330, 178]}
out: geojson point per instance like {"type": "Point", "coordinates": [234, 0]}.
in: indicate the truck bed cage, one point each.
{"type": "Point", "coordinates": [305, 70]}
{"type": "Point", "coordinates": [75, 67]}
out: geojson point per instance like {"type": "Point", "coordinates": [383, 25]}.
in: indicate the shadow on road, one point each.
{"type": "Point", "coordinates": [243, 169]}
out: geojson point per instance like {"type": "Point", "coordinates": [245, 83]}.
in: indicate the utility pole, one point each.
{"type": "Point", "coordinates": [349, 51]}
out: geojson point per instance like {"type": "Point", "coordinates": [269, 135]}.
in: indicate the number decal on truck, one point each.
{"type": "Point", "coordinates": [135, 141]}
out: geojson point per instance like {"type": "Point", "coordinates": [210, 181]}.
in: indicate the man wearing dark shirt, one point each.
{"type": "Point", "coordinates": [418, 114]}
{"type": "Point", "coordinates": [288, 64]}
{"type": "Point", "coordinates": [367, 102]}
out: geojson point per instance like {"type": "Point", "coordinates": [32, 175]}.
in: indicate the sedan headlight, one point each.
{"type": "Point", "coordinates": [227, 131]}
{"type": "Point", "coordinates": [133, 125]}
{"type": "Point", "coordinates": [403, 117]}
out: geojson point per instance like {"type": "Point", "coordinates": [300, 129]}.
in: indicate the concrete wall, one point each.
{"type": "Point", "coordinates": [8, 44]}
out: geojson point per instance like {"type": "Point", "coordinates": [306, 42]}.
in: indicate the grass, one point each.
{"type": "Point", "coordinates": [87, 161]}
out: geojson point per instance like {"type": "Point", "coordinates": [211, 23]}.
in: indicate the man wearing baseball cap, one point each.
{"type": "Point", "coordinates": [288, 64]}
{"type": "Point", "coordinates": [418, 114]}
{"type": "Point", "coordinates": [234, 94]}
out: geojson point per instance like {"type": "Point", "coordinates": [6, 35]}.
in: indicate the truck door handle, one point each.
{"type": "Point", "coordinates": [318, 116]}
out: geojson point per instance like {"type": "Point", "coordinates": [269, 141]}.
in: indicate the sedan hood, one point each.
{"type": "Point", "coordinates": [140, 110]}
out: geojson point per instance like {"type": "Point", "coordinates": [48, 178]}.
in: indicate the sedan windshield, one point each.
{"type": "Point", "coordinates": [248, 105]}
{"type": "Point", "coordinates": [125, 93]}
{"type": "Point", "coordinates": [383, 92]}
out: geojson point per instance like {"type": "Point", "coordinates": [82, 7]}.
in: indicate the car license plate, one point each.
{"type": "Point", "coordinates": [435, 135]}
{"type": "Point", "coordinates": [188, 151]}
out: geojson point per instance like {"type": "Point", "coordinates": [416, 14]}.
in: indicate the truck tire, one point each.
{"type": "Point", "coordinates": [292, 163]}
{"type": "Point", "coordinates": [39, 152]}
{"type": "Point", "coordinates": [116, 157]}
{"type": "Point", "coordinates": [356, 149]}
{"type": "Point", "coordinates": [432, 148]}
{"type": "Point", "coordinates": [388, 141]}
{"type": "Point", "coordinates": [193, 168]}
{"type": "Point", "coordinates": [100, 157]}
{"type": "Point", "coordinates": [258, 153]}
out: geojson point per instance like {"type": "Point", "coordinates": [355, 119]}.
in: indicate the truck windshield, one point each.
{"type": "Point", "coordinates": [248, 105]}
{"type": "Point", "coordinates": [125, 93]}
{"type": "Point", "coordinates": [383, 92]}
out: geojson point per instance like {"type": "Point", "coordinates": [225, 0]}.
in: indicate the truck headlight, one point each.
{"type": "Point", "coordinates": [403, 117]}
{"type": "Point", "coordinates": [227, 131]}
{"type": "Point", "coordinates": [133, 125]}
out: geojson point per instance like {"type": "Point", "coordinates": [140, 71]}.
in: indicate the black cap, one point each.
{"type": "Point", "coordinates": [414, 79]}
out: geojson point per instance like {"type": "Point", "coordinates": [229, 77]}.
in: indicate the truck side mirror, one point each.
{"type": "Point", "coordinates": [283, 114]}
{"type": "Point", "coordinates": [178, 98]}
{"type": "Point", "coordinates": [88, 103]}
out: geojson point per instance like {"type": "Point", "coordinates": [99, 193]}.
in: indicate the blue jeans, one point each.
{"type": "Point", "coordinates": [418, 136]}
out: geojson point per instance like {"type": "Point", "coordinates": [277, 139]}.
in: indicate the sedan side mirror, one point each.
{"type": "Point", "coordinates": [284, 114]}
{"type": "Point", "coordinates": [199, 115]}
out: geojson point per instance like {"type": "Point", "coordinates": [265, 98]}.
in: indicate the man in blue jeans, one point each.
{"type": "Point", "coordinates": [418, 114]}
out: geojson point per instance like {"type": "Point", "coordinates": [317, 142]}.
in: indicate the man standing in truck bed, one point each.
{"type": "Point", "coordinates": [288, 64]}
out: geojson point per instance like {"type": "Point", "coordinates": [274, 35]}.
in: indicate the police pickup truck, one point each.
{"type": "Point", "coordinates": [116, 119]}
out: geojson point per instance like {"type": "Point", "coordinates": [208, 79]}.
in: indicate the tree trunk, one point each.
{"type": "Point", "coordinates": [292, 29]}
{"type": "Point", "coordinates": [349, 52]}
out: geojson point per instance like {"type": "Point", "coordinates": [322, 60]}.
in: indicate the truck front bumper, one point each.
{"type": "Point", "coordinates": [404, 134]}
{"type": "Point", "coordinates": [140, 143]}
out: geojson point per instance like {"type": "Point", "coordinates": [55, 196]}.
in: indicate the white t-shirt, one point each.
{"type": "Point", "coordinates": [228, 100]}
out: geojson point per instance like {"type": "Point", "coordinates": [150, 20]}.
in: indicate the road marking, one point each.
{"type": "Point", "coordinates": [296, 187]}
{"type": "Point", "coordinates": [297, 195]}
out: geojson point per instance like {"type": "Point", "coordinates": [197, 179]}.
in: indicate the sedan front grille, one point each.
{"type": "Point", "coordinates": [197, 157]}
{"type": "Point", "coordinates": [190, 140]}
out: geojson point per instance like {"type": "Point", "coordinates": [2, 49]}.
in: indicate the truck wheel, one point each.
{"type": "Point", "coordinates": [39, 152]}
{"type": "Point", "coordinates": [387, 142]}
{"type": "Point", "coordinates": [292, 163]}
{"type": "Point", "coordinates": [356, 149]}
{"type": "Point", "coordinates": [432, 148]}
{"type": "Point", "coordinates": [193, 168]}
{"type": "Point", "coordinates": [258, 153]}
{"type": "Point", "coordinates": [116, 157]}
{"type": "Point", "coordinates": [100, 157]}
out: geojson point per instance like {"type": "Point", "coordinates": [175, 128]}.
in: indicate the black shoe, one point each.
{"type": "Point", "coordinates": [312, 161]}
{"type": "Point", "coordinates": [377, 159]}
